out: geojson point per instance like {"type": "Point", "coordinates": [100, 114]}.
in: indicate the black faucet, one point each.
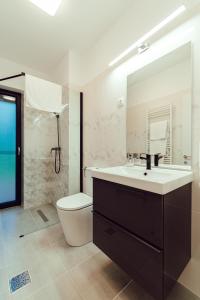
{"type": "Point", "coordinates": [157, 157]}
{"type": "Point", "coordinates": [148, 160]}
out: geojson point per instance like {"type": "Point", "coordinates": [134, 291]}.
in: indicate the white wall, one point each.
{"type": "Point", "coordinates": [74, 142]}
{"type": "Point", "coordinates": [60, 73]}
{"type": "Point", "coordinates": [9, 68]}
{"type": "Point", "coordinates": [104, 121]}
{"type": "Point", "coordinates": [105, 129]}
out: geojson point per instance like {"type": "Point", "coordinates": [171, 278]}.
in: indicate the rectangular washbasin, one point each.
{"type": "Point", "coordinates": [157, 180]}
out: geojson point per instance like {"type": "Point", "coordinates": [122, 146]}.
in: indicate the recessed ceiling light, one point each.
{"type": "Point", "coordinates": [149, 34]}
{"type": "Point", "coordinates": [49, 6]}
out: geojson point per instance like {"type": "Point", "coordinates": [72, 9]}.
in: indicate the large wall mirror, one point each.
{"type": "Point", "coordinates": [159, 108]}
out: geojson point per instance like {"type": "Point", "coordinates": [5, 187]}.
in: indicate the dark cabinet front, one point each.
{"type": "Point", "coordinates": [132, 254]}
{"type": "Point", "coordinates": [138, 211]}
{"type": "Point", "coordinates": [131, 227]}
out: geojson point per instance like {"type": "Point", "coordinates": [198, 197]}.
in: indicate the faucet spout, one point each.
{"type": "Point", "coordinates": [148, 160]}
{"type": "Point", "coordinates": [157, 157]}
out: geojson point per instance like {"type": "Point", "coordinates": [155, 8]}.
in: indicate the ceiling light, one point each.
{"type": "Point", "coordinates": [49, 6]}
{"type": "Point", "coordinates": [149, 34]}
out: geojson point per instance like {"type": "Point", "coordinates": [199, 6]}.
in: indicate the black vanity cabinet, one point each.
{"type": "Point", "coordinates": [146, 234]}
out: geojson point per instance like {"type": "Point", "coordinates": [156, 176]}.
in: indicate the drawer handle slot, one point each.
{"type": "Point", "coordinates": [130, 192]}
{"type": "Point", "coordinates": [110, 231]}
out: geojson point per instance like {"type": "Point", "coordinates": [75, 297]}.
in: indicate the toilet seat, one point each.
{"type": "Point", "coordinates": [74, 202]}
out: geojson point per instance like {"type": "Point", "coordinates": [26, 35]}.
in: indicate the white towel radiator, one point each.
{"type": "Point", "coordinates": [160, 114]}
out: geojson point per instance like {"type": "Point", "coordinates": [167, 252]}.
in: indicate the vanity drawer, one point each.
{"type": "Point", "coordinates": [138, 211]}
{"type": "Point", "coordinates": [141, 261]}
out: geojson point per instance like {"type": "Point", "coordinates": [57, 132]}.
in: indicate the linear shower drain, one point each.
{"type": "Point", "coordinates": [42, 215]}
{"type": "Point", "coordinates": [19, 281]}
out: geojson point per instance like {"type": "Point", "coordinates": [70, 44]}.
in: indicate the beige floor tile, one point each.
{"type": "Point", "coordinates": [18, 296]}
{"type": "Point", "coordinates": [22, 251]}
{"type": "Point", "coordinates": [57, 255]}
{"type": "Point", "coordinates": [49, 235]}
{"type": "Point", "coordinates": [99, 278]}
{"type": "Point", "coordinates": [133, 292]}
{"type": "Point", "coordinates": [41, 242]}
{"type": "Point", "coordinates": [72, 256]}
{"type": "Point", "coordinates": [52, 263]}
{"type": "Point", "coordinates": [5, 296]}
{"type": "Point", "coordinates": [3, 281]}
{"type": "Point", "coordinates": [190, 277]}
{"type": "Point", "coordinates": [2, 256]}
{"type": "Point", "coordinates": [92, 248]}
{"type": "Point", "coordinates": [55, 233]}
{"type": "Point", "coordinates": [60, 289]}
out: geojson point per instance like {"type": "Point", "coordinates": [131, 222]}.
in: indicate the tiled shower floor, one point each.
{"type": "Point", "coordinates": [16, 221]}
{"type": "Point", "coordinates": [60, 272]}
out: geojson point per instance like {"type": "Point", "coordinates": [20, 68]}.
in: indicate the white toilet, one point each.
{"type": "Point", "coordinates": [75, 214]}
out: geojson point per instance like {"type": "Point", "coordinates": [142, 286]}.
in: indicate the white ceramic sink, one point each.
{"type": "Point", "coordinates": [157, 180]}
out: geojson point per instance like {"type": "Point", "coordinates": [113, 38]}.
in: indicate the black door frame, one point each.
{"type": "Point", "coordinates": [18, 174]}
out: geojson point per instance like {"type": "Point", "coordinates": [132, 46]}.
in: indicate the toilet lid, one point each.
{"type": "Point", "coordinates": [74, 202]}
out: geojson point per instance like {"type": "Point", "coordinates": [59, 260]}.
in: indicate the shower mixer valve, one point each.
{"type": "Point", "coordinates": [55, 149]}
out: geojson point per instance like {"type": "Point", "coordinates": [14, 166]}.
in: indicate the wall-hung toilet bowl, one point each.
{"type": "Point", "coordinates": [75, 214]}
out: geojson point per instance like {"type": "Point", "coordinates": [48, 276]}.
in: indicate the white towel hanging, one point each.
{"type": "Point", "coordinates": [158, 130]}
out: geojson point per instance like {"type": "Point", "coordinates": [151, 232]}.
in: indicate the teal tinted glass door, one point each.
{"type": "Point", "coordinates": [8, 146]}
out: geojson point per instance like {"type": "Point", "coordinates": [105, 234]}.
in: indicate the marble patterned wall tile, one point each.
{"type": "Point", "coordinates": [41, 184]}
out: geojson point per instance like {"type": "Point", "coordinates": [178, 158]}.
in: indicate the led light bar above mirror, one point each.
{"type": "Point", "coordinates": [149, 34]}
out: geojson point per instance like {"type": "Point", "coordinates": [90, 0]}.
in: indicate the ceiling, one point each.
{"type": "Point", "coordinates": [33, 38]}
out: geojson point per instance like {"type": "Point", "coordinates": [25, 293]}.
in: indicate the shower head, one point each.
{"type": "Point", "coordinates": [61, 110]}
{"type": "Point", "coordinates": [42, 118]}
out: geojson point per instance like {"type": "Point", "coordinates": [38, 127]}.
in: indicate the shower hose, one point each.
{"type": "Point", "coordinates": [57, 150]}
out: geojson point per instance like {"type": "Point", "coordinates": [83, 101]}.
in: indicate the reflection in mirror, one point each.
{"type": "Point", "coordinates": [159, 108]}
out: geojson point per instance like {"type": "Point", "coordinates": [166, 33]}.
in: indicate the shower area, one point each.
{"type": "Point", "coordinates": [51, 160]}
{"type": "Point", "coordinates": [45, 157]}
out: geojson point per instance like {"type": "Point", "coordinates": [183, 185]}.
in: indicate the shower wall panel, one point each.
{"type": "Point", "coordinates": [41, 184]}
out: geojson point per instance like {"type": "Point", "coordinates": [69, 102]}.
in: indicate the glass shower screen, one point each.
{"type": "Point", "coordinates": [7, 149]}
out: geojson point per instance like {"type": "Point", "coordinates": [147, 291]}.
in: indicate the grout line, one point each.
{"type": "Point", "coordinates": [122, 290]}
{"type": "Point", "coordinates": [51, 280]}
{"type": "Point", "coordinates": [77, 289]}
{"type": "Point", "coordinates": [80, 263]}
{"type": "Point", "coordinates": [39, 289]}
